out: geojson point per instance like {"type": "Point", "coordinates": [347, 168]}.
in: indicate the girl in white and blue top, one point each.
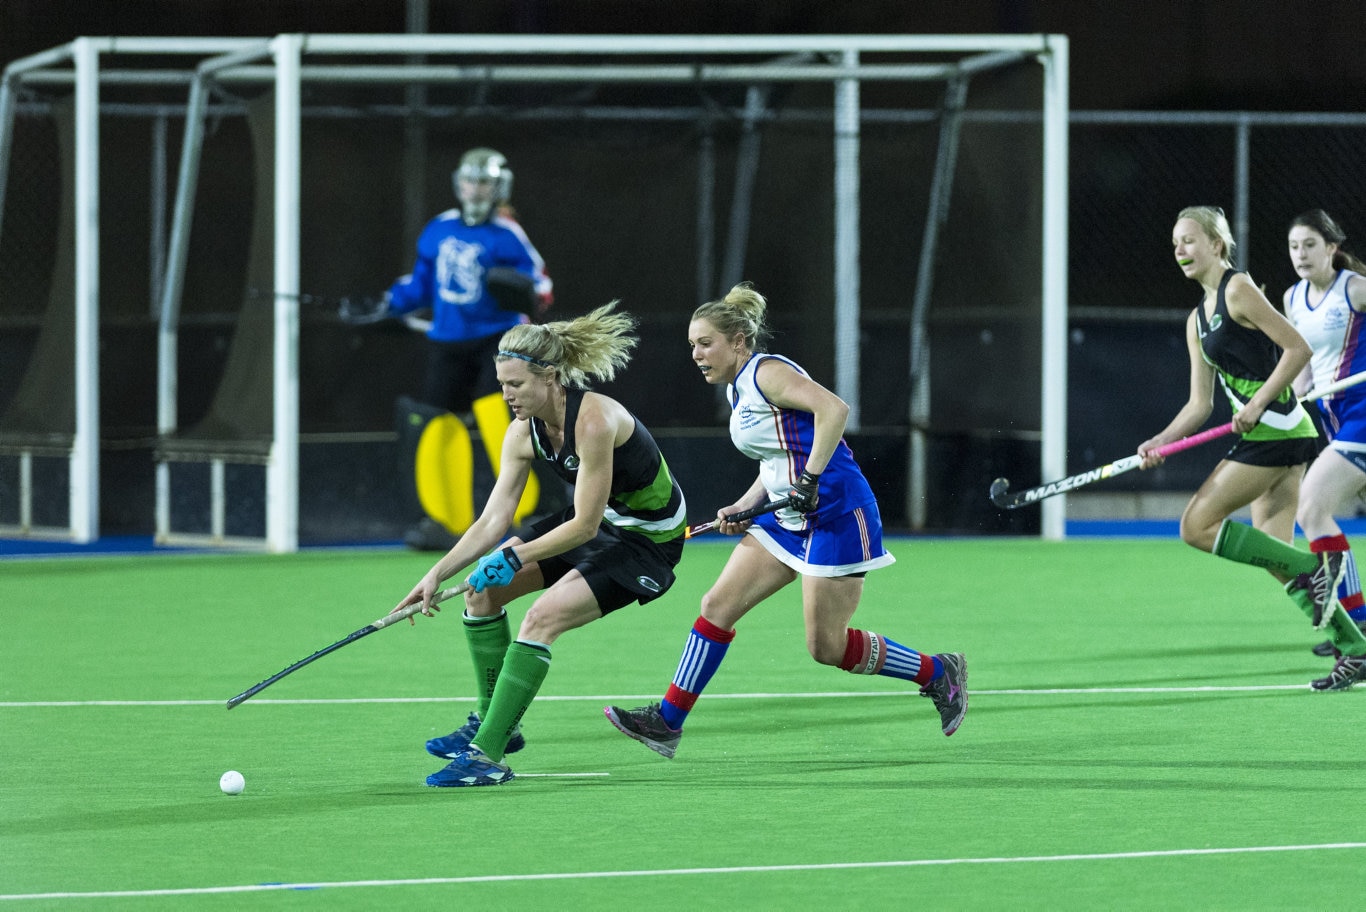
{"type": "Point", "coordinates": [1328, 307]}
{"type": "Point", "coordinates": [782, 439]}
{"type": "Point", "coordinates": [829, 536]}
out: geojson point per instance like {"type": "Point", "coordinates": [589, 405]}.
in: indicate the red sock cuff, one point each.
{"type": "Point", "coordinates": [1329, 543]}
{"type": "Point", "coordinates": [680, 698]}
{"type": "Point", "coordinates": [853, 649]}
{"type": "Point", "coordinates": [709, 630]}
{"type": "Point", "coordinates": [864, 652]}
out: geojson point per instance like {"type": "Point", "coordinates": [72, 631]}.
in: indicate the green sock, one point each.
{"type": "Point", "coordinates": [1346, 635]}
{"type": "Point", "coordinates": [524, 669]}
{"type": "Point", "coordinates": [1343, 632]}
{"type": "Point", "coordinates": [488, 639]}
{"type": "Point", "coordinates": [1240, 542]}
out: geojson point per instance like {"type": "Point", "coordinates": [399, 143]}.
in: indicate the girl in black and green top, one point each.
{"type": "Point", "coordinates": [1238, 337]}
{"type": "Point", "coordinates": [616, 545]}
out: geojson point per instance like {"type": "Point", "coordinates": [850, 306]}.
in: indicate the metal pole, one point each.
{"type": "Point", "coordinates": [6, 135]}
{"type": "Point", "coordinates": [847, 241]}
{"type": "Point", "coordinates": [1241, 179]}
{"type": "Point", "coordinates": [282, 474]}
{"type": "Point", "coordinates": [1055, 163]}
{"type": "Point", "coordinates": [85, 457]}
{"type": "Point", "coordinates": [415, 203]}
{"type": "Point", "coordinates": [941, 189]}
{"type": "Point", "coordinates": [742, 198]}
{"type": "Point", "coordinates": [706, 213]}
{"type": "Point", "coordinates": [156, 198]}
{"type": "Point", "coordinates": [168, 313]}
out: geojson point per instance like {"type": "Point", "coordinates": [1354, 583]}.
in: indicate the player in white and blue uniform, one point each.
{"type": "Point", "coordinates": [830, 536]}
{"type": "Point", "coordinates": [1328, 307]}
{"type": "Point", "coordinates": [457, 254]}
{"type": "Point", "coordinates": [843, 535]}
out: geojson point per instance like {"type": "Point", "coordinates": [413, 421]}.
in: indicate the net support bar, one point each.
{"type": "Point", "coordinates": [847, 242]}
{"type": "Point", "coordinates": [282, 474]}
{"type": "Point", "coordinates": [85, 448]}
{"type": "Point", "coordinates": [1054, 415]}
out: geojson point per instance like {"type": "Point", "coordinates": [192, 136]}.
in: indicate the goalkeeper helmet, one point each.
{"type": "Point", "coordinates": [482, 182]}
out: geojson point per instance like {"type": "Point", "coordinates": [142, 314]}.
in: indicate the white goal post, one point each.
{"type": "Point", "coordinates": [845, 62]}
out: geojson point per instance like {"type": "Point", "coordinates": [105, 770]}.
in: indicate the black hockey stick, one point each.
{"type": "Point", "coordinates": [368, 629]}
{"type": "Point", "coordinates": [743, 515]}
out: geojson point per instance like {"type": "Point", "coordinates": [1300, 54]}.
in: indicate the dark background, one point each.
{"type": "Point", "coordinates": [1124, 55]}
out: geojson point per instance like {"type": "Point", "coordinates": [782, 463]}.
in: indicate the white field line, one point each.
{"type": "Point", "coordinates": [1007, 692]}
{"type": "Point", "coordinates": [676, 872]}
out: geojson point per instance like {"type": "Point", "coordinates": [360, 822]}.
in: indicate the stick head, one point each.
{"type": "Point", "coordinates": [998, 492]}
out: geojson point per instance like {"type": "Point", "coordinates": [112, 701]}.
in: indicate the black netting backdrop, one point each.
{"type": "Point", "coordinates": [607, 186]}
{"type": "Point", "coordinates": [1294, 169]}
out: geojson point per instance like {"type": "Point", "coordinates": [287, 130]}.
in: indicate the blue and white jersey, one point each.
{"type": "Point", "coordinates": [780, 439]}
{"type": "Point", "coordinates": [453, 260]}
{"type": "Point", "coordinates": [1333, 329]}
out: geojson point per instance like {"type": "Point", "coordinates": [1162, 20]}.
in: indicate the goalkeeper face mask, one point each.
{"type": "Point", "coordinates": [482, 181]}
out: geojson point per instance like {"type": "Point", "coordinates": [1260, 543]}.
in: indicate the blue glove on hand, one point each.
{"type": "Point", "coordinates": [496, 569]}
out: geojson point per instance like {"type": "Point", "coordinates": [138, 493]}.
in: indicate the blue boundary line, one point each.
{"type": "Point", "coordinates": [128, 545]}
{"type": "Point", "coordinates": [1166, 528]}
{"type": "Point", "coordinates": [110, 545]}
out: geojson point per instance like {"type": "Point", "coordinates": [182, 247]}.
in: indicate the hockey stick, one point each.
{"type": "Point", "coordinates": [1000, 488]}
{"type": "Point", "coordinates": [380, 624]}
{"type": "Point", "coordinates": [770, 507]}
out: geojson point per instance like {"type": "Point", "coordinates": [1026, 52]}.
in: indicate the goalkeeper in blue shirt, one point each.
{"type": "Point", "coordinates": [480, 275]}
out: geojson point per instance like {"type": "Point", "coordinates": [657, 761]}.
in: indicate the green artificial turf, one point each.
{"type": "Point", "coordinates": [1140, 736]}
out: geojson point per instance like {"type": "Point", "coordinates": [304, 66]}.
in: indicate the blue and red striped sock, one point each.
{"type": "Point", "coordinates": [871, 653]}
{"type": "Point", "coordinates": [706, 647]}
{"type": "Point", "coordinates": [1349, 591]}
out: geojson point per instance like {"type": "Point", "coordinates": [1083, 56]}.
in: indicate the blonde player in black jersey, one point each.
{"type": "Point", "coordinates": [1238, 337]}
{"type": "Point", "coordinates": [617, 544]}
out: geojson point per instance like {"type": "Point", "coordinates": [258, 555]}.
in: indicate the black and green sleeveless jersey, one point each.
{"type": "Point", "coordinates": [1244, 358]}
{"type": "Point", "coordinates": [644, 497]}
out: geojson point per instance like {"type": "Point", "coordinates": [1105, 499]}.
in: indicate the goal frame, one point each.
{"type": "Point", "coordinates": [841, 61]}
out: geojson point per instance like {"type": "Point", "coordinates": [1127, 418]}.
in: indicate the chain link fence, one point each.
{"type": "Point", "coordinates": [580, 183]}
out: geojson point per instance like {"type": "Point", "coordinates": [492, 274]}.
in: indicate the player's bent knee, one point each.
{"type": "Point", "coordinates": [713, 611]}
{"type": "Point", "coordinates": [1198, 536]}
{"type": "Point", "coordinates": [480, 604]}
{"type": "Point", "coordinates": [826, 652]}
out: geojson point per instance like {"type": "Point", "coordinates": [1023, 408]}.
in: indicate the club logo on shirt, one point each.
{"type": "Point", "coordinates": [571, 462]}
{"type": "Point", "coordinates": [1215, 322]}
{"type": "Point", "coordinates": [1334, 320]}
{"type": "Point", "coordinates": [746, 417]}
{"type": "Point", "coordinates": [459, 275]}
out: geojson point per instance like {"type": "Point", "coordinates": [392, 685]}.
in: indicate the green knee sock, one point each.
{"type": "Point", "coordinates": [524, 669]}
{"type": "Point", "coordinates": [488, 639]}
{"type": "Point", "coordinates": [1343, 632]}
{"type": "Point", "coordinates": [1242, 543]}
